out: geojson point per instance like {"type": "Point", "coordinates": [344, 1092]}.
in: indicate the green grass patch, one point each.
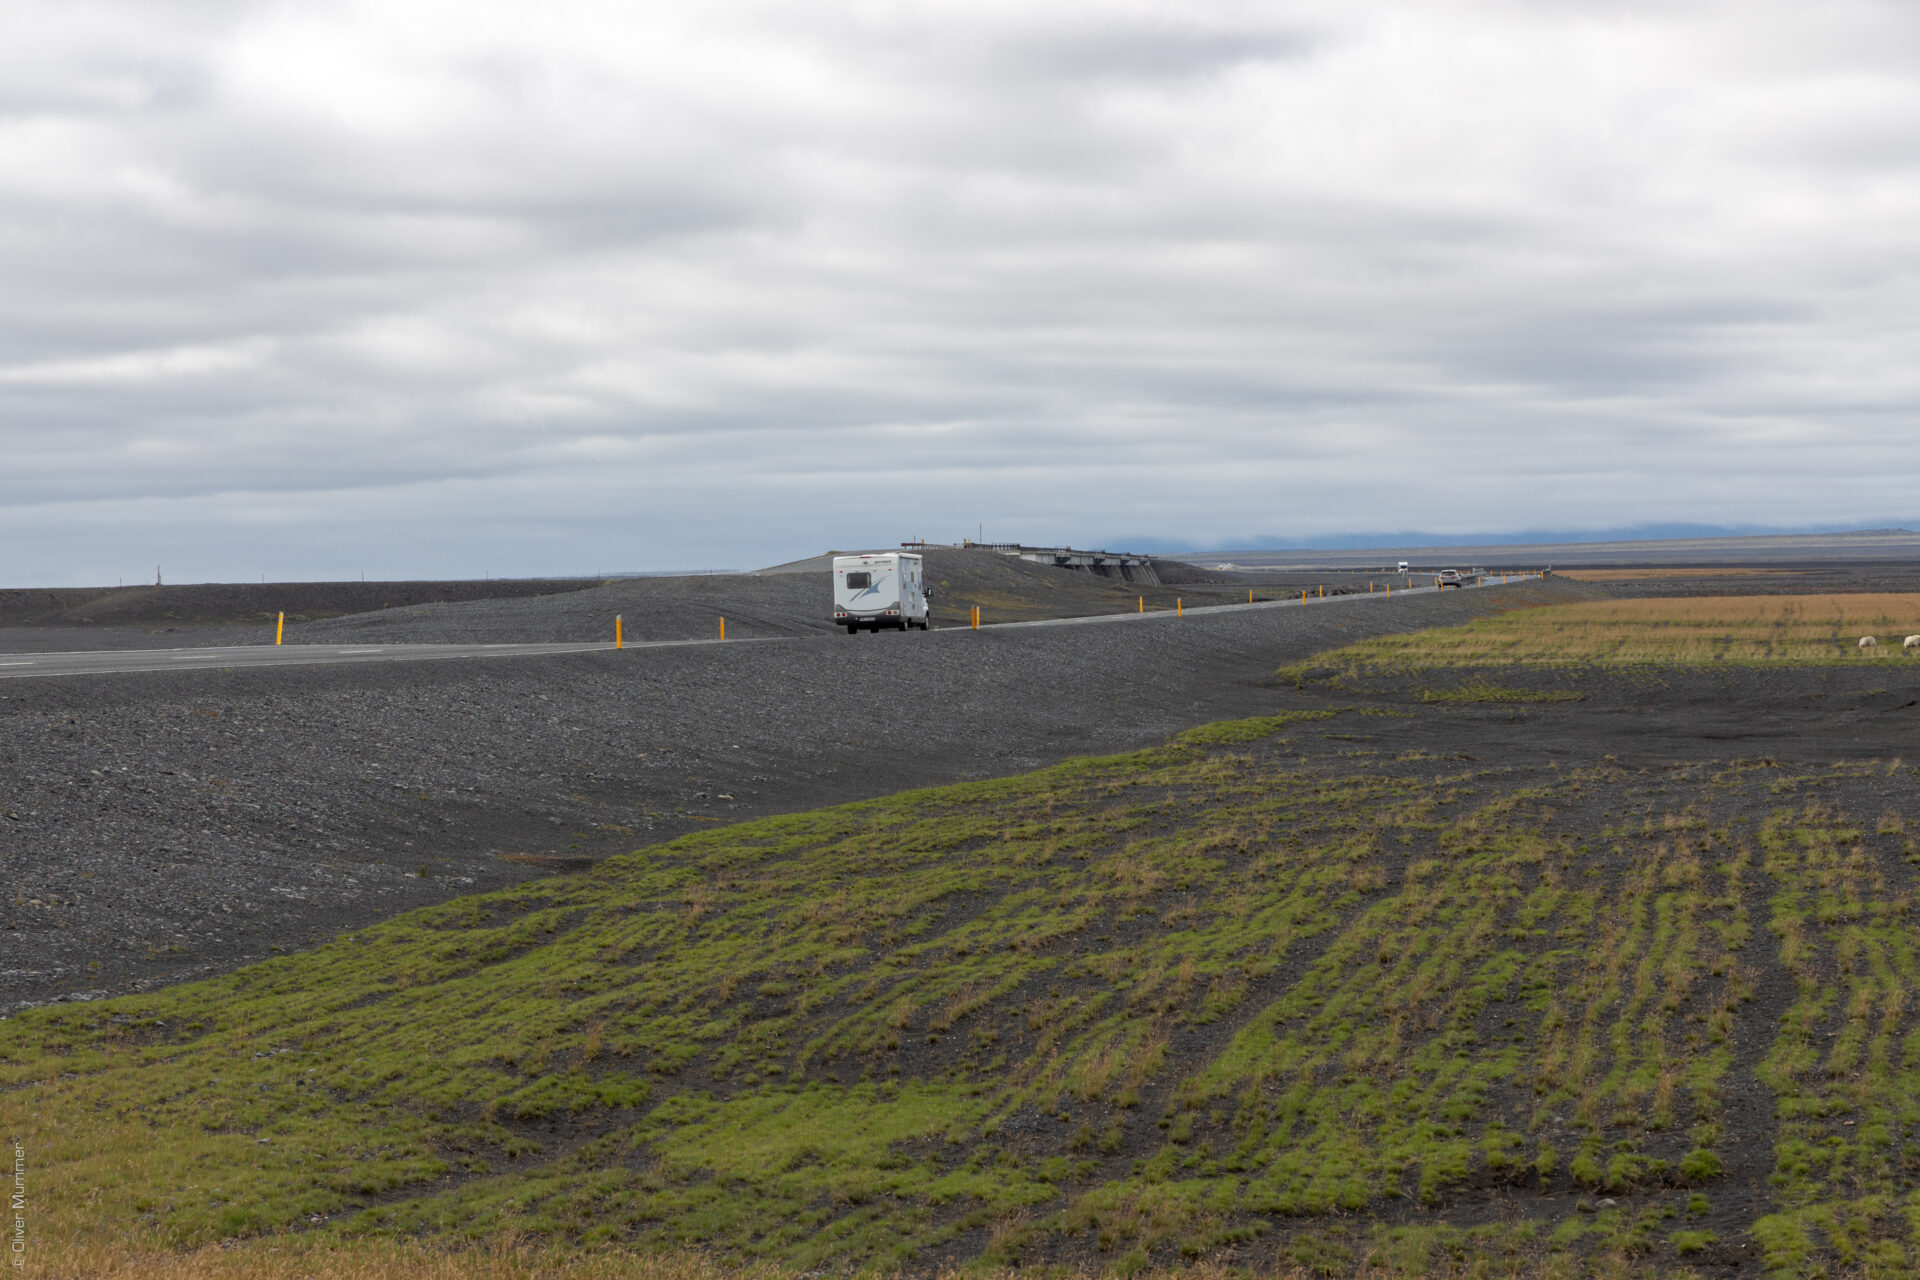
{"type": "Point", "coordinates": [1845, 1068]}
{"type": "Point", "coordinates": [1237, 732]}
{"type": "Point", "coordinates": [1481, 691]}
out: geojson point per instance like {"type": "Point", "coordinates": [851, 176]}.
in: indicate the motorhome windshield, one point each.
{"type": "Point", "coordinates": [856, 578]}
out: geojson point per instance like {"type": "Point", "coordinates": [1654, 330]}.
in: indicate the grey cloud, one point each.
{"type": "Point", "coordinates": [281, 278]}
{"type": "Point", "coordinates": [1139, 47]}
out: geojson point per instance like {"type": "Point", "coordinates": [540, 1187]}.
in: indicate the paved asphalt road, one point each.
{"type": "Point", "coordinates": [102, 662]}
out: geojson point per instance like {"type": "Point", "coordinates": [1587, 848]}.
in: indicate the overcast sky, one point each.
{"type": "Point", "coordinates": [451, 289]}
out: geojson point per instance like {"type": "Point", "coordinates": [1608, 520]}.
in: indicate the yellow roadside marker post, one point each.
{"type": "Point", "coordinates": [723, 628]}
{"type": "Point", "coordinates": [1249, 595]}
{"type": "Point", "coordinates": [616, 631]}
{"type": "Point", "coordinates": [279, 628]}
{"type": "Point", "coordinates": [1143, 604]}
{"type": "Point", "coordinates": [1179, 608]}
{"type": "Point", "coordinates": [1323, 593]}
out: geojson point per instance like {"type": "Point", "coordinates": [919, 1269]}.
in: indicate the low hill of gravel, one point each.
{"type": "Point", "coordinates": [652, 609]}
{"type": "Point", "coordinates": [242, 603]}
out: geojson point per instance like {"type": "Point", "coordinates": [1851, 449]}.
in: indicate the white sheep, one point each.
{"type": "Point", "coordinates": [1868, 642]}
{"type": "Point", "coordinates": [1911, 642]}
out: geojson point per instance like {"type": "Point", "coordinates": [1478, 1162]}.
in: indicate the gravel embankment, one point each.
{"type": "Point", "coordinates": [652, 609]}
{"type": "Point", "coordinates": [200, 615]}
{"type": "Point", "coordinates": [198, 603]}
{"type": "Point", "coordinates": [157, 827]}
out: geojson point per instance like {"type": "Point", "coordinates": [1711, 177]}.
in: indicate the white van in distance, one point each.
{"type": "Point", "coordinates": [886, 589]}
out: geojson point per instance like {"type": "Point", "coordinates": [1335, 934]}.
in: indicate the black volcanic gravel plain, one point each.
{"type": "Point", "coordinates": [162, 826]}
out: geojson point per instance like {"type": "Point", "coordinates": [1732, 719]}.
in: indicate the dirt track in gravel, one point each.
{"type": "Point", "coordinates": [162, 826]}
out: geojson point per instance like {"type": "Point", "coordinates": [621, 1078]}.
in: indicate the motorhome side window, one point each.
{"type": "Point", "coordinates": [855, 578]}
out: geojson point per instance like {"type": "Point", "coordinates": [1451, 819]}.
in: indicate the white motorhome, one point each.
{"type": "Point", "coordinates": [887, 589]}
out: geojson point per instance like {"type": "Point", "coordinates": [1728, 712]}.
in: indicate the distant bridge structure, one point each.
{"type": "Point", "coordinates": [1118, 565]}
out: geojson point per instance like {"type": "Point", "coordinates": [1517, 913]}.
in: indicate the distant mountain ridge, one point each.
{"type": "Point", "coordinates": [1668, 532]}
{"type": "Point", "coordinates": [1769, 548]}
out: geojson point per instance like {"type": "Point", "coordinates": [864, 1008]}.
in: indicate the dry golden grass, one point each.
{"type": "Point", "coordinates": [291, 1258]}
{"type": "Point", "coordinates": [1697, 629]}
{"type": "Point", "coordinates": [1637, 575]}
